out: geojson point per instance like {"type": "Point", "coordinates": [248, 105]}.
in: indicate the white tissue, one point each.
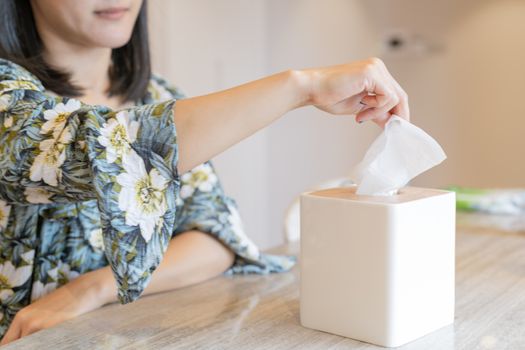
{"type": "Point", "coordinates": [399, 154]}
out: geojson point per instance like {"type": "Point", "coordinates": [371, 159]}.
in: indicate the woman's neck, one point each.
{"type": "Point", "coordinates": [88, 66]}
{"type": "Point", "coordinates": [89, 71]}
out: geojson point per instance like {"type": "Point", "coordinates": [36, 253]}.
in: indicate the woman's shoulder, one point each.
{"type": "Point", "coordinates": [12, 71]}
{"type": "Point", "coordinates": [159, 89]}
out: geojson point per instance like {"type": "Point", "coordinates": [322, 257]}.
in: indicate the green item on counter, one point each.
{"type": "Point", "coordinates": [493, 201]}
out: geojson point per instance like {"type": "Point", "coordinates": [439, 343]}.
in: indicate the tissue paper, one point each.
{"type": "Point", "coordinates": [399, 154]}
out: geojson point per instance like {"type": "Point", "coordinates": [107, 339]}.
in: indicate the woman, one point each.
{"type": "Point", "coordinates": [104, 172]}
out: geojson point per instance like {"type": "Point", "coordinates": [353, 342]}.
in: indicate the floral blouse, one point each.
{"type": "Point", "coordinates": [84, 186]}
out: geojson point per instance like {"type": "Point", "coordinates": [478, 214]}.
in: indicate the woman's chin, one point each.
{"type": "Point", "coordinates": [111, 41]}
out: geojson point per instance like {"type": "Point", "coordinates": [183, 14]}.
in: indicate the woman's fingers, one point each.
{"type": "Point", "coordinates": [373, 101]}
{"type": "Point", "coordinates": [351, 105]}
{"type": "Point", "coordinates": [381, 109]}
{"type": "Point", "coordinates": [386, 99]}
{"type": "Point", "coordinates": [401, 109]}
{"type": "Point", "coordinates": [365, 88]}
{"type": "Point", "coordinates": [384, 94]}
{"type": "Point", "coordinates": [379, 115]}
{"type": "Point", "coordinates": [383, 100]}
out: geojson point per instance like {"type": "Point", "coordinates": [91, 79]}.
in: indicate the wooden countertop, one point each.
{"type": "Point", "coordinates": [262, 312]}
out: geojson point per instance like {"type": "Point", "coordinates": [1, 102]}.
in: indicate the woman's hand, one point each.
{"type": "Point", "coordinates": [75, 298]}
{"type": "Point", "coordinates": [364, 88]}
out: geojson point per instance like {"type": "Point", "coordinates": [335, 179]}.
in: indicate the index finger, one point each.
{"type": "Point", "coordinates": [402, 109]}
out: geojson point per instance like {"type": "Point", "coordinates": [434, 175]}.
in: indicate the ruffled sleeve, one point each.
{"type": "Point", "coordinates": [206, 207]}
{"type": "Point", "coordinates": [56, 149]}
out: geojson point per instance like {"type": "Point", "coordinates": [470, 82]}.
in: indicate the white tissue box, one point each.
{"type": "Point", "coordinates": [378, 269]}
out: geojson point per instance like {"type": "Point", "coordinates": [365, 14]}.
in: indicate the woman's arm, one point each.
{"type": "Point", "coordinates": [191, 257]}
{"type": "Point", "coordinates": [226, 117]}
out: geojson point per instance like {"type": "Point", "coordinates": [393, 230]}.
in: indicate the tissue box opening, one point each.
{"type": "Point", "coordinates": [405, 194]}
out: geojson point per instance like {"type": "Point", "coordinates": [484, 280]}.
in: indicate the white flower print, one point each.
{"type": "Point", "coordinates": [56, 118]}
{"type": "Point", "coordinates": [11, 277]}
{"type": "Point", "coordinates": [37, 195]}
{"type": "Point", "coordinates": [142, 196]}
{"type": "Point", "coordinates": [47, 163]}
{"type": "Point", "coordinates": [5, 101]}
{"type": "Point", "coordinates": [96, 239]}
{"type": "Point", "coordinates": [29, 256]}
{"type": "Point", "coordinates": [238, 230]}
{"type": "Point", "coordinates": [201, 177]}
{"type": "Point", "coordinates": [8, 122]}
{"type": "Point", "coordinates": [186, 191]}
{"type": "Point", "coordinates": [117, 135]}
{"type": "Point", "coordinates": [5, 210]}
{"type": "Point", "coordinates": [159, 93]}
{"type": "Point", "coordinates": [40, 289]}
{"type": "Point", "coordinates": [65, 272]}
{"type": "Point", "coordinates": [53, 273]}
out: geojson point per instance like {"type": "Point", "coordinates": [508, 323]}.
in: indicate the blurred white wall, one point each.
{"type": "Point", "coordinates": [467, 88]}
{"type": "Point", "coordinates": [464, 71]}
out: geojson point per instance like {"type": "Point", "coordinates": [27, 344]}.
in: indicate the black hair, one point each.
{"type": "Point", "coordinates": [129, 73]}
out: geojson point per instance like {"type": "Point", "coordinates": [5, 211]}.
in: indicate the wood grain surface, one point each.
{"type": "Point", "coordinates": [262, 312]}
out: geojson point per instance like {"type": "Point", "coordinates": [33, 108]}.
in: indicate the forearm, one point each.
{"type": "Point", "coordinates": [191, 257]}
{"type": "Point", "coordinates": [227, 117]}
